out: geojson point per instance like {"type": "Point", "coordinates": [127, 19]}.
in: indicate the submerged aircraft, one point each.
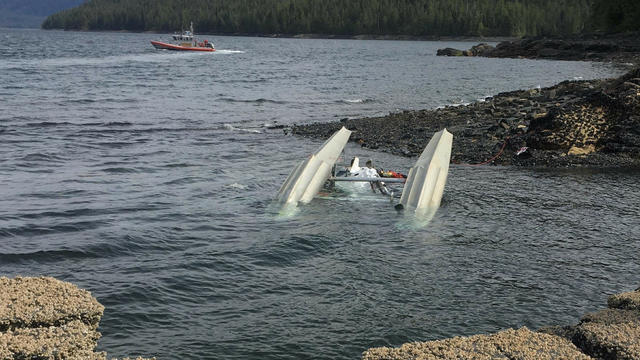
{"type": "Point", "coordinates": [423, 187]}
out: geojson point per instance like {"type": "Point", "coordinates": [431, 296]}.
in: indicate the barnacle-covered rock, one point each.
{"type": "Point", "coordinates": [47, 319]}
{"type": "Point", "coordinates": [626, 301]}
{"type": "Point", "coordinates": [73, 340]}
{"type": "Point", "coordinates": [610, 334]}
{"type": "Point", "coordinates": [508, 344]}
{"type": "Point", "coordinates": [45, 301]}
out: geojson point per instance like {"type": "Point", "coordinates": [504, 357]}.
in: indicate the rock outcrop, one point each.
{"type": "Point", "coordinates": [574, 123]}
{"type": "Point", "coordinates": [47, 319]}
{"type": "Point", "coordinates": [477, 50]}
{"type": "Point", "coordinates": [449, 52]}
{"type": "Point", "coordinates": [611, 334]}
{"type": "Point", "coordinates": [508, 344]}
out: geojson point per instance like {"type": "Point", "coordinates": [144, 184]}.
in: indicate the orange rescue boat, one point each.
{"type": "Point", "coordinates": [184, 41]}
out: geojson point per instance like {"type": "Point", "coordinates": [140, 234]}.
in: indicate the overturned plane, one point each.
{"type": "Point", "coordinates": [423, 186]}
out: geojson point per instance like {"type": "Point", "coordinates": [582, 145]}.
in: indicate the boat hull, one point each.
{"type": "Point", "coordinates": [166, 46]}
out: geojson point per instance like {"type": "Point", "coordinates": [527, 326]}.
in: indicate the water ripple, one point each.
{"type": "Point", "coordinates": [148, 178]}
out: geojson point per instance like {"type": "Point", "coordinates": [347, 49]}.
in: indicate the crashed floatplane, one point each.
{"type": "Point", "coordinates": [423, 187]}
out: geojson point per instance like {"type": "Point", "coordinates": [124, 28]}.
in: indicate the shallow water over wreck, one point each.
{"type": "Point", "coordinates": [148, 177]}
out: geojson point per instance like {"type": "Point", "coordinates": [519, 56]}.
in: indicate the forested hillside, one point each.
{"type": "Point", "coordinates": [337, 17]}
{"type": "Point", "coordinates": [616, 15]}
{"type": "Point", "coordinates": [31, 13]}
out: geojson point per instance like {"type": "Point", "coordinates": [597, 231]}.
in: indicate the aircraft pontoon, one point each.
{"type": "Point", "coordinates": [423, 187]}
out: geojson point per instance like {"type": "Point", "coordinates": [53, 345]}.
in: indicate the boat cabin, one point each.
{"type": "Point", "coordinates": [184, 36]}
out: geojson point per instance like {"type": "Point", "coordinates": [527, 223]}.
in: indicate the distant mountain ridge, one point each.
{"type": "Point", "coordinates": [31, 13]}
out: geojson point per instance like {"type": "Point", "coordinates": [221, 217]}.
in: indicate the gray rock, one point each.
{"type": "Point", "coordinates": [449, 52]}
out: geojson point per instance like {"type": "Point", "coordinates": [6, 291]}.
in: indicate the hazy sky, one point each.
{"type": "Point", "coordinates": [31, 13]}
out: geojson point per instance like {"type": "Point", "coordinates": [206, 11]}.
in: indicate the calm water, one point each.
{"type": "Point", "coordinates": [147, 178]}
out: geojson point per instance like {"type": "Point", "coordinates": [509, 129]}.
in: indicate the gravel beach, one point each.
{"type": "Point", "coordinates": [572, 124]}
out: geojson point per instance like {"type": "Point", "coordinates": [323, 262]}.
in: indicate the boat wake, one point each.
{"type": "Point", "coordinates": [218, 51]}
{"type": "Point", "coordinates": [236, 186]}
{"type": "Point", "coordinates": [90, 61]}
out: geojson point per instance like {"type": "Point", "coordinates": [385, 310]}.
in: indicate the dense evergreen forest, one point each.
{"type": "Point", "coordinates": [338, 17]}
{"type": "Point", "coordinates": [616, 15]}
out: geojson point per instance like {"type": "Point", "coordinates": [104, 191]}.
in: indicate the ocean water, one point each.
{"type": "Point", "coordinates": [148, 178]}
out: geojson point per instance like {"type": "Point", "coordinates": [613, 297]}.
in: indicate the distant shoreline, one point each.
{"type": "Point", "coordinates": [621, 48]}
{"type": "Point", "coordinates": [317, 36]}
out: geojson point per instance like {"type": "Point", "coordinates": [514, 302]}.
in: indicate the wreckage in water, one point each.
{"type": "Point", "coordinates": [423, 187]}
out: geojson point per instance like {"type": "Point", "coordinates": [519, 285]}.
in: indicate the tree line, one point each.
{"type": "Point", "coordinates": [616, 15]}
{"type": "Point", "coordinates": [335, 17]}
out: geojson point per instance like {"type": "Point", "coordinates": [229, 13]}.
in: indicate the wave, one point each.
{"type": "Point", "coordinates": [46, 124]}
{"type": "Point", "coordinates": [44, 256]}
{"type": "Point", "coordinates": [455, 103]}
{"type": "Point", "coordinates": [257, 101]}
{"type": "Point", "coordinates": [273, 125]}
{"type": "Point", "coordinates": [183, 181]}
{"type": "Point", "coordinates": [35, 157]}
{"type": "Point", "coordinates": [121, 246]}
{"type": "Point", "coordinates": [74, 213]}
{"type": "Point", "coordinates": [484, 98]}
{"type": "Point", "coordinates": [91, 101]}
{"type": "Point", "coordinates": [356, 101]}
{"type": "Point", "coordinates": [32, 230]}
{"type": "Point", "coordinates": [117, 123]}
{"type": "Point", "coordinates": [108, 124]}
{"type": "Point", "coordinates": [120, 170]}
{"type": "Point", "coordinates": [77, 101]}
{"type": "Point", "coordinates": [179, 165]}
{"type": "Point", "coordinates": [12, 87]}
{"type": "Point", "coordinates": [241, 81]}
{"type": "Point", "coordinates": [114, 144]}
{"type": "Point", "coordinates": [233, 128]}
{"type": "Point", "coordinates": [123, 128]}
{"type": "Point", "coordinates": [59, 194]}
{"type": "Point", "coordinates": [236, 186]}
{"type": "Point", "coordinates": [115, 100]}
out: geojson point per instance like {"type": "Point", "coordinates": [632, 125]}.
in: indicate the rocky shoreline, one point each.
{"type": "Point", "coordinates": [47, 319]}
{"type": "Point", "coordinates": [609, 334]}
{"type": "Point", "coordinates": [593, 123]}
{"type": "Point", "coordinates": [619, 48]}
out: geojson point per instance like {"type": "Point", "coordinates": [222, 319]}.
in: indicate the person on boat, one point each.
{"type": "Point", "coordinates": [371, 172]}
